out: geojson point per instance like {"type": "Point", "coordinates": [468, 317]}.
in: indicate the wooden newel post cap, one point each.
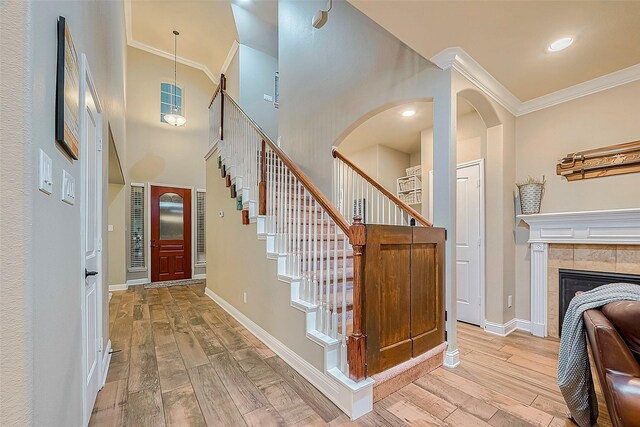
{"type": "Point", "coordinates": [357, 220]}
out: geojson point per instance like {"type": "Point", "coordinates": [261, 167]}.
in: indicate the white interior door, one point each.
{"type": "Point", "coordinates": [92, 195]}
{"type": "Point", "coordinates": [468, 244]}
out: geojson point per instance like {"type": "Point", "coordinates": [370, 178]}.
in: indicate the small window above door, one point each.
{"type": "Point", "coordinates": [170, 96]}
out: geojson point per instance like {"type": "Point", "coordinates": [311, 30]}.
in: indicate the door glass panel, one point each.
{"type": "Point", "coordinates": [171, 217]}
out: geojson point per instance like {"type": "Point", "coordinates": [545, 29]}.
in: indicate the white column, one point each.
{"type": "Point", "coordinates": [444, 198]}
{"type": "Point", "coordinates": [539, 258]}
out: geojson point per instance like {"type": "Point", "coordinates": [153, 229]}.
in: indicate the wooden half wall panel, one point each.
{"type": "Point", "coordinates": [403, 293]}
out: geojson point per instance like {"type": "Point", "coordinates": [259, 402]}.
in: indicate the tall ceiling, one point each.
{"type": "Point", "coordinates": [509, 38]}
{"type": "Point", "coordinates": [207, 29]}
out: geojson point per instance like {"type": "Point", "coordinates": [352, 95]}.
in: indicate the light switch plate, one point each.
{"type": "Point", "coordinates": [268, 98]}
{"type": "Point", "coordinates": [110, 227]}
{"type": "Point", "coordinates": [45, 174]}
{"type": "Point", "coordinates": [68, 188]}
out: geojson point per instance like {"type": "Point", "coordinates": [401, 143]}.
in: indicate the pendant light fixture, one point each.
{"type": "Point", "coordinates": [174, 118]}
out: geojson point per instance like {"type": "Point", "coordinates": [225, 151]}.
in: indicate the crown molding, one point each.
{"type": "Point", "coordinates": [461, 61]}
{"type": "Point", "coordinates": [232, 52]}
{"type": "Point", "coordinates": [180, 59]}
{"type": "Point", "coordinates": [608, 81]}
{"type": "Point", "coordinates": [168, 55]}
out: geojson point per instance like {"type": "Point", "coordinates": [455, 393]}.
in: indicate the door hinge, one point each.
{"type": "Point", "coordinates": [478, 183]}
{"type": "Point", "coordinates": [445, 315]}
{"type": "Point", "coordinates": [99, 147]}
{"type": "Point", "coordinates": [445, 234]}
{"type": "Point", "coordinates": [100, 244]}
{"type": "Point", "coordinates": [445, 335]}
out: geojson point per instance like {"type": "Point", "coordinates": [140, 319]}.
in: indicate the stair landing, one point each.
{"type": "Point", "coordinates": [392, 380]}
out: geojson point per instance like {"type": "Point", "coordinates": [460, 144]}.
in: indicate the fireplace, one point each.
{"type": "Point", "coordinates": [572, 281]}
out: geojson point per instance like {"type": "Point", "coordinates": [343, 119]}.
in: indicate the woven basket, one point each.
{"type": "Point", "coordinates": [530, 197]}
{"type": "Point", "coordinates": [407, 185]}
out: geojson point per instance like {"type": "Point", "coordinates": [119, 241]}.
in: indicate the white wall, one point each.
{"type": "Point", "coordinates": [157, 152]}
{"type": "Point", "coordinates": [51, 291]}
{"type": "Point", "coordinates": [257, 72]}
{"type": "Point", "coordinates": [594, 121]}
{"type": "Point", "coordinates": [334, 78]}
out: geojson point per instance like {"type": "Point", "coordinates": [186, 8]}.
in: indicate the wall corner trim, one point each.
{"type": "Point", "coordinates": [461, 61]}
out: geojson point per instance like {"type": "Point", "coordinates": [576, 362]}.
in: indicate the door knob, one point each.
{"type": "Point", "coordinates": [88, 273]}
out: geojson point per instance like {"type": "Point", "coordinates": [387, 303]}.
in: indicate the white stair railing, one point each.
{"type": "Point", "coordinates": [356, 194]}
{"type": "Point", "coordinates": [311, 238]}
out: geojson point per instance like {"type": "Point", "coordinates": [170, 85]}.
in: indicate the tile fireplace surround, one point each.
{"type": "Point", "coordinates": [594, 240]}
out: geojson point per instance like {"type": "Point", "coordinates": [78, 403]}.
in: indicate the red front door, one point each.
{"type": "Point", "coordinates": [170, 233]}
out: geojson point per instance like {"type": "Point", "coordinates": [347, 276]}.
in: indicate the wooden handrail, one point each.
{"type": "Point", "coordinates": [215, 93]}
{"type": "Point", "coordinates": [402, 205]}
{"type": "Point", "coordinates": [322, 200]}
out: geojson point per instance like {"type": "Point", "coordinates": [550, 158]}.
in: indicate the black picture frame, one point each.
{"type": "Point", "coordinates": [67, 115]}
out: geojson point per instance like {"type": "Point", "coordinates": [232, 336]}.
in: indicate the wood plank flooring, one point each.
{"type": "Point", "coordinates": [180, 360]}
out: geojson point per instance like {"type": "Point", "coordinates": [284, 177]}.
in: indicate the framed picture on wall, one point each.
{"type": "Point", "coordinates": [67, 92]}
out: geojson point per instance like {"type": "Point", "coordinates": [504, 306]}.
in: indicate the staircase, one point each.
{"type": "Point", "coordinates": [319, 246]}
{"type": "Point", "coordinates": [305, 235]}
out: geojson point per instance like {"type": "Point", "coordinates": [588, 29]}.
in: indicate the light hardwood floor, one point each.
{"type": "Point", "coordinates": [181, 360]}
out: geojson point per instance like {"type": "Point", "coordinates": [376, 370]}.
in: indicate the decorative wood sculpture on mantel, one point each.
{"type": "Point", "coordinates": [607, 161]}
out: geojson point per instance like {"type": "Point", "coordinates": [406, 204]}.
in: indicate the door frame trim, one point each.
{"type": "Point", "coordinates": [480, 163]}
{"type": "Point", "coordinates": [87, 82]}
{"type": "Point", "coordinates": [148, 221]}
{"type": "Point", "coordinates": [483, 274]}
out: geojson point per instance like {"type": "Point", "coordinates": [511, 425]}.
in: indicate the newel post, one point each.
{"type": "Point", "coordinates": [223, 87]}
{"type": "Point", "coordinates": [356, 352]}
{"type": "Point", "coordinates": [262, 189]}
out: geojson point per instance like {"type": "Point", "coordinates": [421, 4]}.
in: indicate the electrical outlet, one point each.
{"type": "Point", "coordinates": [221, 214]}
{"type": "Point", "coordinates": [509, 301]}
{"type": "Point", "coordinates": [268, 98]}
{"type": "Point", "coordinates": [244, 297]}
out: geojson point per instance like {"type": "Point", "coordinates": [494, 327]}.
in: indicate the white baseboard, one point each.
{"type": "Point", "coordinates": [504, 329]}
{"type": "Point", "coordinates": [106, 361]}
{"type": "Point", "coordinates": [451, 359]}
{"type": "Point", "coordinates": [199, 276]}
{"type": "Point", "coordinates": [137, 282]}
{"type": "Point", "coordinates": [523, 325]}
{"type": "Point", "coordinates": [122, 287]}
{"type": "Point", "coordinates": [354, 401]}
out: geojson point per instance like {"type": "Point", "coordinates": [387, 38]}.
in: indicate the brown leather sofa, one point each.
{"type": "Point", "coordinates": [614, 336]}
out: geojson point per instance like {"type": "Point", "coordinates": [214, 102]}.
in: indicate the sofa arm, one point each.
{"type": "Point", "coordinates": [609, 350]}
{"type": "Point", "coordinates": [626, 396]}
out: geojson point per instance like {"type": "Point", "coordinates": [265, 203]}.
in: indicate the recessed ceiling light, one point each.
{"type": "Point", "coordinates": [408, 113]}
{"type": "Point", "coordinates": [560, 44]}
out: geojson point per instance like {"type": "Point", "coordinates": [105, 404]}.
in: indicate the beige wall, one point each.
{"type": "Point", "coordinates": [42, 385]}
{"type": "Point", "coordinates": [156, 152]}
{"type": "Point", "coordinates": [237, 263]}
{"type": "Point", "coordinates": [118, 237]}
{"type": "Point", "coordinates": [499, 155]}
{"type": "Point", "coordinates": [594, 121]}
{"type": "Point", "coordinates": [383, 164]}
